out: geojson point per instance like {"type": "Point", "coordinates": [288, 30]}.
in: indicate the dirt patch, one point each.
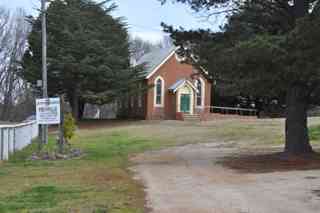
{"type": "Point", "coordinates": [191, 179]}
{"type": "Point", "coordinates": [155, 159]}
{"type": "Point", "coordinates": [264, 163]}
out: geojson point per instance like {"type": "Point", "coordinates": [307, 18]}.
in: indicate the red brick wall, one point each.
{"type": "Point", "coordinates": [171, 72]}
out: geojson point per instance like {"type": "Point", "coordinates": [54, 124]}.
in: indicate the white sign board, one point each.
{"type": "Point", "coordinates": [48, 111]}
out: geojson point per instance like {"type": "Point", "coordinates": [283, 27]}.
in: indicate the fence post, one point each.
{"type": "Point", "coordinates": [14, 140]}
{"type": "Point", "coordinates": [8, 142]}
{"type": "Point", "coordinates": [2, 144]}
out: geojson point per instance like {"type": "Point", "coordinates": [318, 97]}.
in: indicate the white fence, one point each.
{"type": "Point", "coordinates": [233, 110]}
{"type": "Point", "coordinates": [16, 137]}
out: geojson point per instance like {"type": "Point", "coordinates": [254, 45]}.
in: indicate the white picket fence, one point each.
{"type": "Point", "coordinates": [16, 137]}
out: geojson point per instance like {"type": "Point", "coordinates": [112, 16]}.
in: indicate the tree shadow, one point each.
{"type": "Point", "coordinates": [273, 162]}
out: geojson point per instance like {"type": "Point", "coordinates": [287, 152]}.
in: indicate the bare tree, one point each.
{"type": "Point", "coordinates": [14, 30]}
{"type": "Point", "coordinates": [166, 42]}
{"type": "Point", "coordinates": [4, 38]}
{"type": "Point", "coordinates": [140, 47]}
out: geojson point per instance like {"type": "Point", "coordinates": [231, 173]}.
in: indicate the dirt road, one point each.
{"type": "Point", "coordinates": [189, 179]}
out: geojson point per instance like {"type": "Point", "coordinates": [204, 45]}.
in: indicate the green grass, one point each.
{"type": "Point", "coordinates": [314, 133]}
{"type": "Point", "coordinates": [99, 182]}
{"type": "Point", "coordinates": [40, 197]}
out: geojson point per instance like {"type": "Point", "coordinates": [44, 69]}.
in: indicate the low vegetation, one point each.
{"type": "Point", "coordinates": [100, 181]}
{"type": "Point", "coordinates": [314, 133]}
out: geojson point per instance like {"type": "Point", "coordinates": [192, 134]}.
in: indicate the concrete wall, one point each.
{"type": "Point", "coordinates": [16, 137]}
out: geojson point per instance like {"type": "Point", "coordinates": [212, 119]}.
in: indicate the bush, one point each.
{"type": "Point", "coordinates": [69, 127]}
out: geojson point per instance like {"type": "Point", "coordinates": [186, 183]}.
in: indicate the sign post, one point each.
{"type": "Point", "coordinates": [48, 111]}
{"type": "Point", "coordinates": [44, 128]}
{"type": "Point", "coordinates": [61, 127]}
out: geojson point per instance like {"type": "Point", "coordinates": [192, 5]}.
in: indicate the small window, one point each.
{"type": "Point", "coordinates": [200, 93]}
{"type": "Point", "coordinates": [159, 92]}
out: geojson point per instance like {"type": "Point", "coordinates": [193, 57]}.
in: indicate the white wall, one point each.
{"type": "Point", "coordinates": [16, 137]}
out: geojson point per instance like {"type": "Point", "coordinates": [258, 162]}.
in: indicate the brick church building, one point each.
{"type": "Point", "coordinates": [177, 90]}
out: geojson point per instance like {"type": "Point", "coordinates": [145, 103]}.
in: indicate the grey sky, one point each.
{"type": "Point", "coordinates": [143, 16]}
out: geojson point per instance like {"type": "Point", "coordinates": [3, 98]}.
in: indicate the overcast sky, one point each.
{"type": "Point", "coordinates": [144, 18]}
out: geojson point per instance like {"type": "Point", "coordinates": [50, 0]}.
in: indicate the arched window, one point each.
{"type": "Point", "coordinates": [200, 92]}
{"type": "Point", "coordinates": [159, 91]}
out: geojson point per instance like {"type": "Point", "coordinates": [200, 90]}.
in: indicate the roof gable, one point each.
{"type": "Point", "coordinates": [180, 83]}
{"type": "Point", "coordinates": [155, 59]}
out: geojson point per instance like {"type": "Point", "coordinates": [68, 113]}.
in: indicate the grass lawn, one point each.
{"type": "Point", "coordinates": [100, 181]}
{"type": "Point", "coordinates": [314, 133]}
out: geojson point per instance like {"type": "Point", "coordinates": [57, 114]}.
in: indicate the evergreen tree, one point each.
{"type": "Point", "coordinates": [267, 48]}
{"type": "Point", "coordinates": [88, 53]}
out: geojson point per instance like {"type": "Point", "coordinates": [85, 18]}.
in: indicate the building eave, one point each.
{"type": "Point", "coordinates": [161, 64]}
{"type": "Point", "coordinates": [184, 82]}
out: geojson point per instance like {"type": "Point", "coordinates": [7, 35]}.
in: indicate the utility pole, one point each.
{"type": "Point", "coordinates": [44, 128]}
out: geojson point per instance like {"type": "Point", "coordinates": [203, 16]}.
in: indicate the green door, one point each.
{"type": "Point", "coordinates": [185, 103]}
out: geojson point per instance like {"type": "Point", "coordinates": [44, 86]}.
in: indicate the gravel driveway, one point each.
{"type": "Point", "coordinates": [189, 179]}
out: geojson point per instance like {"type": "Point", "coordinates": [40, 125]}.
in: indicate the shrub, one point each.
{"type": "Point", "coordinates": [69, 126]}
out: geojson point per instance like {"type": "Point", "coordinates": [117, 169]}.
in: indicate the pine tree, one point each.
{"type": "Point", "coordinates": [88, 53]}
{"type": "Point", "coordinates": [267, 48]}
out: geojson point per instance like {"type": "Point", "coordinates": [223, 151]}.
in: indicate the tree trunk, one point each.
{"type": "Point", "coordinates": [75, 106]}
{"type": "Point", "coordinates": [297, 139]}
{"type": "Point", "coordinates": [81, 109]}
{"type": "Point", "coordinates": [8, 92]}
{"type": "Point", "coordinates": [7, 106]}
{"type": "Point", "coordinates": [74, 98]}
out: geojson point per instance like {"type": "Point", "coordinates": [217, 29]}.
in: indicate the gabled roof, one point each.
{"type": "Point", "coordinates": [155, 59]}
{"type": "Point", "coordinates": [180, 83]}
